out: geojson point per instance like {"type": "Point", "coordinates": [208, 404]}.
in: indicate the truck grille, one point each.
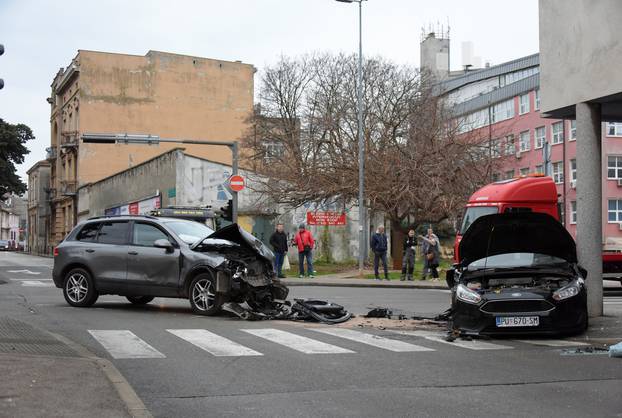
{"type": "Point", "coordinates": [517, 306]}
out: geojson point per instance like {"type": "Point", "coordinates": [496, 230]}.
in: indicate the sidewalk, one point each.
{"type": "Point", "coordinates": [351, 279]}
{"type": "Point", "coordinates": [44, 375]}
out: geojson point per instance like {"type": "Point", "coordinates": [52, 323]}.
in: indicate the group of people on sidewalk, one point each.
{"type": "Point", "coordinates": [430, 251]}
{"type": "Point", "coordinates": [304, 243]}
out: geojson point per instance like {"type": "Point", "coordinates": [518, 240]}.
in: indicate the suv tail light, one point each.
{"type": "Point", "coordinates": [55, 251]}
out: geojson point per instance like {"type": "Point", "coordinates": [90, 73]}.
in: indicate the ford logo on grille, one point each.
{"type": "Point", "coordinates": [517, 295]}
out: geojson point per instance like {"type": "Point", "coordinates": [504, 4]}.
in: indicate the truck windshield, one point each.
{"type": "Point", "coordinates": [474, 212]}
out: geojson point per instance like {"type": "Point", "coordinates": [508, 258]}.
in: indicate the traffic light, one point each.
{"type": "Point", "coordinates": [227, 211]}
{"type": "Point", "coordinates": [1, 52]}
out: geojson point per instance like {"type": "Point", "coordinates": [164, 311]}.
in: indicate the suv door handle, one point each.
{"type": "Point", "coordinates": [90, 250]}
{"type": "Point", "coordinates": [133, 252]}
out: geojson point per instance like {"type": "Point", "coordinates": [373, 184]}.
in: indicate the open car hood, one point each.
{"type": "Point", "coordinates": [516, 233]}
{"type": "Point", "coordinates": [234, 233]}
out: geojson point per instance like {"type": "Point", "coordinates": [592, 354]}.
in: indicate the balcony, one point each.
{"type": "Point", "coordinates": [51, 153]}
{"type": "Point", "coordinates": [69, 139]}
{"type": "Point", "coordinates": [68, 187]}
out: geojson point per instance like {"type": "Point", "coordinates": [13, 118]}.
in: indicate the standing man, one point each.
{"type": "Point", "coordinates": [379, 246]}
{"type": "Point", "coordinates": [305, 243]}
{"type": "Point", "coordinates": [278, 240]}
{"type": "Point", "coordinates": [408, 259]}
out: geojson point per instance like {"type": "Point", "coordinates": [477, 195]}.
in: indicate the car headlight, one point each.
{"type": "Point", "coordinates": [567, 291]}
{"type": "Point", "coordinates": [467, 295]}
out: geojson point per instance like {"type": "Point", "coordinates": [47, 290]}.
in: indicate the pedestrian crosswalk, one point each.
{"type": "Point", "coordinates": [125, 344]}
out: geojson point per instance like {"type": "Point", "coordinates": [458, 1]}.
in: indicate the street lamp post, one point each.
{"type": "Point", "coordinates": [359, 105]}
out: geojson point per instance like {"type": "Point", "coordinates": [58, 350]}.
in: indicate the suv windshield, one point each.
{"type": "Point", "coordinates": [189, 231]}
{"type": "Point", "coordinates": [474, 212]}
{"type": "Point", "coordinates": [511, 260]}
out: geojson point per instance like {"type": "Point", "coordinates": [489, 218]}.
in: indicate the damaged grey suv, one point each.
{"type": "Point", "coordinates": [143, 257]}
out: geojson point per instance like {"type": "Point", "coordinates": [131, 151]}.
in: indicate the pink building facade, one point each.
{"type": "Point", "coordinates": [508, 96]}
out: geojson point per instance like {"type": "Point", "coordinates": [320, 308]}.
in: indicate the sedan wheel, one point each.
{"type": "Point", "coordinates": [203, 297]}
{"type": "Point", "coordinates": [79, 288]}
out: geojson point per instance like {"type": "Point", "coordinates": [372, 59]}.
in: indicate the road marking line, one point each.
{"type": "Point", "coordinates": [23, 271]}
{"type": "Point", "coordinates": [439, 337]}
{"type": "Point", "coordinates": [553, 343]}
{"type": "Point", "coordinates": [373, 340]}
{"type": "Point", "coordinates": [123, 344]}
{"type": "Point", "coordinates": [213, 343]}
{"type": "Point", "coordinates": [35, 283]}
{"type": "Point", "coordinates": [40, 280]}
{"type": "Point", "coordinates": [297, 342]}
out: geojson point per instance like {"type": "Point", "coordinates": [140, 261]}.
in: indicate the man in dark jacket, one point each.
{"type": "Point", "coordinates": [379, 246]}
{"type": "Point", "coordinates": [408, 260]}
{"type": "Point", "coordinates": [278, 240]}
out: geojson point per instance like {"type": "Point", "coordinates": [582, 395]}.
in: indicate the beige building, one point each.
{"type": "Point", "coordinates": [39, 208]}
{"type": "Point", "coordinates": [163, 94]}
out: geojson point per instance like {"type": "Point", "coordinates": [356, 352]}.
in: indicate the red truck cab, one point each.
{"type": "Point", "coordinates": [533, 193]}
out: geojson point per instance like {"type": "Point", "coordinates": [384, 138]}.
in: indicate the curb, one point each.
{"type": "Point", "coordinates": [135, 406]}
{"type": "Point", "coordinates": [303, 282]}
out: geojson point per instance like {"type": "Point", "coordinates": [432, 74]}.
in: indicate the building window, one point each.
{"type": "Point", "coordinates": [614, 129]}
{"type": "Point", "coordinates": [573, 130]}
{"type": "Point", "coordinates": [502, 111]}
{"type": "Point", "coordinates": [273, 151]}
{"type": "Point", "coordinates": [523, 104]}
{"type": "Point", "coordinates": [614, 167]}
{"type": "Point", "coordinates": [557, 130]}
{"type": "Point", "coordinates": [573, 212]}
{"type": "Point", "coordinates": [539, 169]}
{"type": "Point", "coordinates": [540, 137]}
{"type": "Point", "coordinates": [495, 148]}
{"type": "Point", "coordinates": [525, 141]}
{"type": "Point", "coordinates": [536, 104]}
{"type": "Point", "coordinates": [614, 211]}
{"type": "Point", "coordinates": [573, 171]}
{"type": "Point", "coordinates": [509, 174]}
{"type": "Point", "coordinates": [510, 146]}
{"type": "Point", "coordinates": [524, 171]}
{"type": "Point", "coordinates": [558, 172]}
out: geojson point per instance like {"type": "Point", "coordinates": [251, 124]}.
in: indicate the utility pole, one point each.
{"type": "Point", "coordinates": [154, 140]}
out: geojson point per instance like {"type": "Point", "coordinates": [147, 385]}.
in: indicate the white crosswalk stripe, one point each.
{"type": "Point", "coordinates": [553, 343]}
{"type": "Point", "coordinates": [213, 343]}
{"type": "Point", "coordinates": [36, 283]}
{"type": "Point", "coordinates": [297, 342]}
{"type": "Point", "coordinates": [124, 344]}
{"type": "Point", "coordinates": [373, 340]}
{"type": "Point", "coordinates": [439, 337]}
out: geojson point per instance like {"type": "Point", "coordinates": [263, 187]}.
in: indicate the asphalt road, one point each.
{"type": "Point", "coordinates": [263, 369]}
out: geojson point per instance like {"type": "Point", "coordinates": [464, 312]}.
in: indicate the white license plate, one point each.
{"type": "Point", "coordinates": [518, 321]}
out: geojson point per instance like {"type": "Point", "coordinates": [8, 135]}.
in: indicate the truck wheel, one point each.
{"type": "Point", "coordinates": [79, 288]}
{"type": "Point", "coordinates": [203, 297]}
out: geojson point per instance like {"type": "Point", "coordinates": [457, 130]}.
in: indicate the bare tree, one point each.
{"type": "Point", "coordinates": [302, 141]}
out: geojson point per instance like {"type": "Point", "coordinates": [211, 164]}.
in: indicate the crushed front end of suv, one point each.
{"type": "Point", "coordinates": [518, 274]}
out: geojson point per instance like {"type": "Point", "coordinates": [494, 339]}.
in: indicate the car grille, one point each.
{"type": "Point", "coordinates": [521, 305]}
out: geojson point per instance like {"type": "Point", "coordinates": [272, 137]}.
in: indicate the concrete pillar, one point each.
{"type": "Point", "coordinates": [590, 202]}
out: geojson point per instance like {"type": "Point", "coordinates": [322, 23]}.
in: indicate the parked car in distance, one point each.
{"type": "Point", "coordinates": [4, 245]}
{"type": "Point", "coordinates": [143, 257]}
{"type": "Point", "coordinates": [518, 274]}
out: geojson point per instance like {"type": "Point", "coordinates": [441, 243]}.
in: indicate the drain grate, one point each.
{"type": "Point", "coordinates": [19, 337]}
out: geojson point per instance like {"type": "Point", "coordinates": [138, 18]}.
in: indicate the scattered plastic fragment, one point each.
{"type": "Point", "coordinates": [615, 350]}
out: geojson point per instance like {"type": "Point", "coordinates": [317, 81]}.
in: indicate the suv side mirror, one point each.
{"type": "Point", "coordinates": [164, 243]}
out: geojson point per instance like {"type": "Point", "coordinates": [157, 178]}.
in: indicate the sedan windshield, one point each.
{"type": "Point", "coordinates": [512, 260]}
{"type": "Point", "coordinates": [189, 231]}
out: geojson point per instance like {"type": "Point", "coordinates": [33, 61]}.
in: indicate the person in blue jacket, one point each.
{"type": "Point", "coordinates": [379, 246]}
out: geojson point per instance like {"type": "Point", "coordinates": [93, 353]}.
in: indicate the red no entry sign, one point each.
{"type": "Point", "coordinates": [236, 183]}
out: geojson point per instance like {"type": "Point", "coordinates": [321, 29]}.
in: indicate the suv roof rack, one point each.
{"type": "Point", "coordinates": [120, 216]}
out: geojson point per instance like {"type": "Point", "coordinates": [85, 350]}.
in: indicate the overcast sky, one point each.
{"type": "Point", "coordinates": [42, 36]}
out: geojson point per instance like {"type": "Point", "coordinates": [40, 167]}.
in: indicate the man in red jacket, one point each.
{"type": "Point", "coordinates": [305, 243]}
